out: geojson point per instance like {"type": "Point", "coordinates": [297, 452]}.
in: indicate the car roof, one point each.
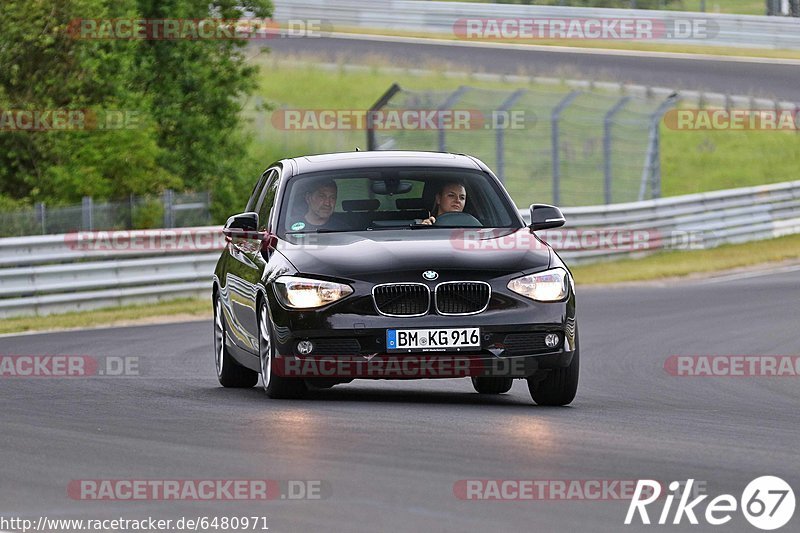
{"type": "Point", "coordinates": [383, 158]}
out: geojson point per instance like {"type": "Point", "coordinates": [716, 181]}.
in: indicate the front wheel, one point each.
{"type": "Point", "coordinates": [491, 385]}
{"type": "Point", "coordinates": [276, 386]}
{"type": "Point", "coordinates": [559, 385]}
{"type": "Point", "coordinates": [229, 372]}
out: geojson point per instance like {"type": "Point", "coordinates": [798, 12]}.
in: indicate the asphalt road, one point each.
{"type": "Point", "coordinates": [763, 79]}
{"type": "Point", "coordinates": [389, 453]}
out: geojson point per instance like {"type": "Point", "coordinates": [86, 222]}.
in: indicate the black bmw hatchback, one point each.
{"type": "Point", "coordinates": [392, 265]}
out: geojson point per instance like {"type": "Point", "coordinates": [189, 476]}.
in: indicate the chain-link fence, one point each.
{"type": "Point", "coordinates": [169, 210]}
{"type": "Point", "coordinates": [568, 147]}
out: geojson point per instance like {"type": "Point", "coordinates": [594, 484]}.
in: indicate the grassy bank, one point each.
{"type": "Point", "coordinates": [687, 263]}
{"type": "Point", "coordinates": [185, 309]}
{"type": "Point", "coordinates": [600, 44]}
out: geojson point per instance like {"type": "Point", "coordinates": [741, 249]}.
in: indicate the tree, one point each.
{"type": "Point", "coordinates": [185, 95]}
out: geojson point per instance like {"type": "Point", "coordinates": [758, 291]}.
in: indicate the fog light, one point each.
{"type": "Point", "coordinates": [551, 340]}
{"type": "Point", "coordinates": [305, 347]}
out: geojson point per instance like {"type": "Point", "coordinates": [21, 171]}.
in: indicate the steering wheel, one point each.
{"type": "Point", "coordinates": [457, 219]}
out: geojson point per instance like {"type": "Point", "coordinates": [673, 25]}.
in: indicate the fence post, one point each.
{"type": "Point", "coordinates": [450, 102]}
{"type": "Point", "coordinates": [168, 214]}
{"type": "Point", "coordinates": [607, 122]}
{"type": "Point", "coordinates": [87, 206]}
{"type": "Point", "coordinates": [771, 10]}
{"type": "Point", "coordinates": [652, 164]}
{"type": "Point", "coordinates": [131, 205]}
{"type": "Point", "coordinates": [41, 216]}
{"type": "Point", "coordinates": [500, 147]}
{"type": "Point", "coordinates": [555, 132]}
{"type": "Point", "coordinates": [382, 101]}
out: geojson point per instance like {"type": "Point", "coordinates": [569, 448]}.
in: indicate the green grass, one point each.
{"type": "Point", "coordinates": [685, 263]}
{"type": "Point", "coordinates": [694, 161]}
{"type": "Point", "coordinates": [110, 316]}
{"type": "Point", "coordinates": [640, 45]}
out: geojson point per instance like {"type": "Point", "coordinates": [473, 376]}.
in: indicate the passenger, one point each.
{"type": "Point", "coordinates": [451, 198]}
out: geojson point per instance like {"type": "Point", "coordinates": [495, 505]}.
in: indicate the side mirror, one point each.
{"type": "Point", "coordinates": [545, 216]}
{"type": "Point", "coordinates": [242, 231]}
{"type": "Point", "coordinates": [242, 222]}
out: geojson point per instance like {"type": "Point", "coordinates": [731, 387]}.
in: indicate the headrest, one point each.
{"type": "Point", "coordinates": [361, 205]}
{"type": "Point", "coordinates": [410, 203]}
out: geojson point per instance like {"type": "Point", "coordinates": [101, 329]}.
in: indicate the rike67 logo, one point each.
{"type": "Point", "coordinates": [767, 503]}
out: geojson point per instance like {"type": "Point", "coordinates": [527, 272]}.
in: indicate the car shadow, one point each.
{"type": "Point", "coordinates": [358, 393]}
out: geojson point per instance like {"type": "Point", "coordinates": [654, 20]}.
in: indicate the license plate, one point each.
{"type": "Point", "coordinates": [431, 340]}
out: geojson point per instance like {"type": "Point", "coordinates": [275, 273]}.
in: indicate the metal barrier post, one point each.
{"type": "Point", "coordinates": [501, 130]}
{"type": "Point", "coordinates": [556, 143]}
{"type": "Point", "coordinates": [607, 123]}
{"type": "Point", "coordinates": [41, 216]}
{"type": "Point", "coordinates": [449, 103]}
{"type": "Point", "coordinates": [652, 167]}
{"type": "Point", "coordinates": [86, 213]}
{"type": "Point", "coordinates": [168, 214]}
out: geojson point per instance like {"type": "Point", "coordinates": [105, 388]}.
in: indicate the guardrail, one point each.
{"type": "Point", "coordinates": [748, 31]}
{"type": "Point", "coordinates": [58, 273]}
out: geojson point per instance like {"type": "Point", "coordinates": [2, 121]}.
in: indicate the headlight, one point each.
{"type": "Point", "coordinates": [547, 286]}
{"type": "Point", "coordinates": [304, 293]}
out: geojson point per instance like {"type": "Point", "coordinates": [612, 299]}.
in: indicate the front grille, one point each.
{"type": "Point", "coordinates": [335, 347]}
{"type": "Point", "coordinates": [402, 299]}
{"type": "Point", "coordinates": [462, 297]}
{"type": "Point", "coordinates": [526, 343]}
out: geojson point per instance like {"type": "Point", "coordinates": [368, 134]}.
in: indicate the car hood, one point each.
{"type": "Point", "coordinates": [376, 255]}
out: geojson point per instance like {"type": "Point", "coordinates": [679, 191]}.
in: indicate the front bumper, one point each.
{"type": "Point", "coordinates": [417, 366]}
{"type": "Point", "coordinates": [349, 340]}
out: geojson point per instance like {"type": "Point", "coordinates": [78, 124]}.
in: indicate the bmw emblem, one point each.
{"type": "Point", "coordinates": [430, 275]}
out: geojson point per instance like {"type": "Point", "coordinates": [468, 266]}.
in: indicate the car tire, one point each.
{"type": "Point", "coordinates": [229, 373]}
{"type": "Point", "coordinates": [276, 387]}
{"type": "Point", "coordinates": [491, 385]}
{"type": "Point", "coordinates": [559, 386]}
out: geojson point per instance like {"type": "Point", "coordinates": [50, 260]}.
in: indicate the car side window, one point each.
{"type": "Point", "coordinates": [267, 200]}
{"type": "Point", "coordinates": [251, 203]}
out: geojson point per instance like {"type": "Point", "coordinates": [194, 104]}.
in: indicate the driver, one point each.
{"type": "Point", "coordinates": [451, 198]}
{"type": "Point", "coordinates": [321, 202]}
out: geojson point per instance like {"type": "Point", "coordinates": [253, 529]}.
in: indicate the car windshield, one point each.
{"type": "Point", "coordinates": [371, 200]}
